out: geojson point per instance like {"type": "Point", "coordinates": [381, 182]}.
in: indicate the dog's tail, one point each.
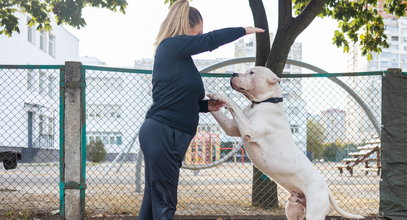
{"type": "Point", "coordinates": [341, 211]}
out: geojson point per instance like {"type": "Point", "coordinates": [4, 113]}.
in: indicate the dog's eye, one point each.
{"type": "Point", "coordinates": [251, 72]}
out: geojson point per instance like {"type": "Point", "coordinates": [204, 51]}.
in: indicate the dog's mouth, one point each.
{"type": "Point", "coordinates": [233, 86]}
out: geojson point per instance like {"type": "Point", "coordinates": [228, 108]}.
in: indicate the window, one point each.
{"type": "Point", "coordinates": [384, 64]}
{"type": "Point", "coordinates": [105, 140]}
{"type": "Point", "coordinates": [30, 32]}
{"type": "Point", "coordinates": [394, 47]}
{"type": "Point", "coordinates": [50, 126]}
{"type": "Point", "coordinates": [42, 83]}
{"type": "Point", "coordinates": [373, 65]}
{"type": "Point", "coordinates": [41, 124]}
{"type": "Point", "coordinates": [30, 79]}
{"type": "Point", "coordinates": [105, 111]}
{"type": "Point", "coordinates": [119, 140]}
{"type": "Point", "coordinates": [394, 38]}
{"type": "Point", "coordinates": [51, 45]}
{"type": "Point", "coordinates": [51, 81]}
{"type": "Point", "coordinates": [294, 129]}
{"type": "Point", "coordinates": [43, 40]}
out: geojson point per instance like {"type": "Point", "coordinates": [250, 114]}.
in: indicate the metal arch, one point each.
{"type": "Point", "coordinates": [310, 67]}
{"type": "Point", "coordinates": [292, 62]}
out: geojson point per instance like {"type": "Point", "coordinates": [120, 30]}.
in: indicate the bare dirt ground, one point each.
{"type": "Point", "coordinates": [227, 190]}
{"type": "Point", "coordinates": [223, 191]}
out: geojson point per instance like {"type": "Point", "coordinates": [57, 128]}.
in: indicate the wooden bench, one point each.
{"type": "Point", "coordinates": [363, 155]}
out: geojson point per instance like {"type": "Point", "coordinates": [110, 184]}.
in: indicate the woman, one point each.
{"type": "Point", "coordinates": [178, 93]}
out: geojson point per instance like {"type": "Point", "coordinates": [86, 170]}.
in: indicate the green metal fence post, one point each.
{"type": "Point", "coordinates": [73, 181]}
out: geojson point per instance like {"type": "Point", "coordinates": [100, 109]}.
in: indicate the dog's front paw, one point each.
{"type": "Point", "coordinates": [218, 97]}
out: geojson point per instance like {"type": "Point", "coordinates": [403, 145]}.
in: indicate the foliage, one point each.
{"type": "Point", "coordinates": [169, 1]}
{"type": "Point", "coordinates": [41, 12]}
{"type": "Point", "coordinates": [95, 151]}
{"type": "Point", "coordinates": [315, 138]}
{"type": "Point", "coordinates": [336, 151]}
{"type": "Point", "coordinates": [330, 151]}
{"type": "Point", "coordinates": [358, 22]}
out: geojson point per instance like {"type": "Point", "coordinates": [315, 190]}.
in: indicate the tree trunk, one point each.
{"type": "Point", "coordinates": [279, 51]}
{"type": "Point", "coordinates": [264, 191]}
{"type": "Point", "coordinates": [262, 39]}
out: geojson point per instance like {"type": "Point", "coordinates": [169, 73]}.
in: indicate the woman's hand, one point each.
{"type": "Point", "coordinates": [252, 30]}
{"type": "Point", "coordinates": [215, 105]}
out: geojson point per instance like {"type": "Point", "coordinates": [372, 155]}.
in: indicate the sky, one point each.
{"type": "Point", "coordinates": [119, 39]}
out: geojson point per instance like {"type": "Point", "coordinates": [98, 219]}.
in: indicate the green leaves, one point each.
{"type": "Point", "coordinates": [396, 7]}
{"type": "Point", "coordinates": [41, 11]}
{"type": "Point", "coordinates": [359, 22]}
{"type": "Point", "coordinates": [8, 22]}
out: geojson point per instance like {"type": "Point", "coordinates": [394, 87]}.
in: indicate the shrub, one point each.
{"type": "Point", "coordinates": [95, 151]}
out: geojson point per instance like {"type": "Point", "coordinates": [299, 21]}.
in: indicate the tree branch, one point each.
{"type": "Point", "coordinates": [306, 17]}
{"type": "Point", "coordinates": [262, 39]}
{"type": "Point", "coordinates": [284, 13]}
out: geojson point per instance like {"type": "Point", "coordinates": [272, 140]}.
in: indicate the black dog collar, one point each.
{"type": "Point", "coordinates": [272, 100]}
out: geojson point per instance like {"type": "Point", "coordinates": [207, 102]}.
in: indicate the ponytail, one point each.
{"type": "Point", "coordinates": [179, 19]}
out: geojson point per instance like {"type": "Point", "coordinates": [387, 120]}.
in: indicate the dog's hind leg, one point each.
{"type": "Point", "coordinates": [317, 205]}
{"type": "Point", "coordinates": [294, 211]}
{"type": "Point", "coordinates": [295, 207]}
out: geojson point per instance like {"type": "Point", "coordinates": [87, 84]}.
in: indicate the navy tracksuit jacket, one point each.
{"type": "Point", "coordinates": [172, 120]}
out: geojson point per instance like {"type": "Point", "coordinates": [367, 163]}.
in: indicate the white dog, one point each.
{"type": "Point", "coordinates": [268, 141]}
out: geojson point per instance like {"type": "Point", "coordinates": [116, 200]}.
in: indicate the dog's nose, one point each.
{"type": "Point", "coordinates": [235, 74]}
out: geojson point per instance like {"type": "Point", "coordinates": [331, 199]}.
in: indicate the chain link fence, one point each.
{"type": "Point", "coordinates": [327, 124]}
{"type": "Point", "coordinates": [29, 136]}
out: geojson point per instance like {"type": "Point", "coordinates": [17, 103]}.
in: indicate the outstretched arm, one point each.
{"type": "Point", "coordinates": [187, 45]}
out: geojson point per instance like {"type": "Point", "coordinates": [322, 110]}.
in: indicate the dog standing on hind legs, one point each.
{"type": "Point", "coordinates": [267, 138]}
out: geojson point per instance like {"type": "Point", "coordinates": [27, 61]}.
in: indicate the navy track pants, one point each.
{"type": "Point", "coordinates": [164, 149]}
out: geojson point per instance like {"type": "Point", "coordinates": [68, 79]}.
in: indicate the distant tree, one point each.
{"type": "Point", "coordinates": [95, 151]}
{"type": "Point", "coordinates": [315, 138]}
{"type": "Point", "coordinates": [331, 150]}
{"type": "Point", "coordinates": [65, 12]}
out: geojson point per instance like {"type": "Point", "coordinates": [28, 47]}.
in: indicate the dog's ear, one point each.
{"type": "Point", "coordinates": [273, 79]}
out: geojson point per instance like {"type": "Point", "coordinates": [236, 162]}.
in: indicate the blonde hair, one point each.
{"type": "Point", "coordinates": [179, 19]}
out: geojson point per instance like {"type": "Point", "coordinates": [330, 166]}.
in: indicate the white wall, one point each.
{"type": "Point", "coordinates": [18, 50]}
{"type": "Point", "coordinates": [17, 98]}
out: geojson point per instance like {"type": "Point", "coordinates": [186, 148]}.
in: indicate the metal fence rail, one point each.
{"type": "Point", "coordinates": [326, 122]}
